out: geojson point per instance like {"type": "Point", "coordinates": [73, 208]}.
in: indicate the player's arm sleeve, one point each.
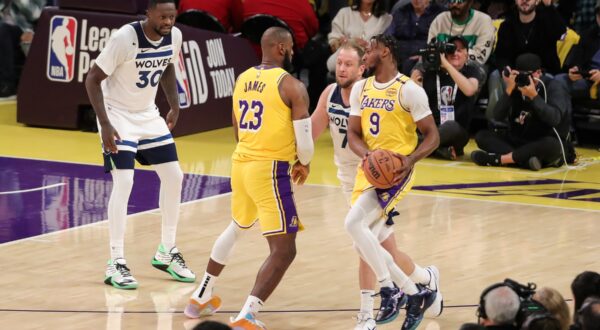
{"type": "Point", "coordinates": [119, 47]}
{"type": "Point", "coordinates": [414, 98]}
{"type": "Point", "coordinates": [305, 147]}
{"type": "Point", "coordinates": [355, 98]}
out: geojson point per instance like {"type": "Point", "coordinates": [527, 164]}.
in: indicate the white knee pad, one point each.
{"type": "Point", "coordinates": [225, 243]}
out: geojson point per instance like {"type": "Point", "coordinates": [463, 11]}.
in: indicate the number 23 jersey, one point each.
{"type": "Point", "coordinates": [264, 121]}
{"type": "Point", "coordinates": [134, 65]}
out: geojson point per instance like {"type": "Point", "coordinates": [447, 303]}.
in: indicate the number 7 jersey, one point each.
{"type": "Point", "coordinates": [264, 121]}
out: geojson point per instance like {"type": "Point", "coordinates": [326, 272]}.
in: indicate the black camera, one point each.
{"type": "Point", "coordinates": [522, 78]}
{"type": "Point", "coordinates": [431, 55]}
{"type": "Point", "coordinates": [528, 308]}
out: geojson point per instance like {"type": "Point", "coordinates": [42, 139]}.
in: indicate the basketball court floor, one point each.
{"type": "Point", "coordinates": [478, 225]}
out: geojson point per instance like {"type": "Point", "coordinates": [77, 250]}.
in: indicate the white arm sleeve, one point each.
{"type": "Point", "coordinates": [304, 142]}
{"type": "Point", "coordinates": [414, 98]}
{"type": "Point", "coordinates": [354, 98]}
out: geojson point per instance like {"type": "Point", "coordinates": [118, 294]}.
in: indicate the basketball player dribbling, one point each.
{"type": "Point", "coordinates": [272, 127]}
{"type": "Point", "coordinates": [333, 110]}
{"type": "Point", "coordinates": [122, 87]}
{"type": "Point", "coordinates": [386, 110]}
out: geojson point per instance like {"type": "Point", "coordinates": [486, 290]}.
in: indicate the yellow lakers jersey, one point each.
{"type": "Point", "coordinates": [264, 121]}
{"type": "Point", "coordinates": [384, 121]}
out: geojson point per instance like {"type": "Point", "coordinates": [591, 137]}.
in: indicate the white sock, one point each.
{"type": "Point", "coordinates": [422, 276]}
{"type": "Point", "coordinates": [117, 211]}
{"type": "Point", "coordinates": [356, 225]}
{"type": "Point", "coordinates": [252, 307]}
{"type": "Point", "coordinates": [204, 291]}
{"type": "Point", "coordinates": [367, 301]}
{"type": "Point", "coordinates": [171, 178]}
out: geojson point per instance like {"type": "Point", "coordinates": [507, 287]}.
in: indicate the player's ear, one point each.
{"type": "Point", "coordinates": [281, 49]}
{"type": "Point", "coordinates": [361, 69]}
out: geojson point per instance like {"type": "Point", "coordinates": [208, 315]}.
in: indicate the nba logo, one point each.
{"type": "Point", "coordinates": [446, 95]}
{"type": "Point", "coordinates": [183, 84]}
{"type": "Point", "coordinates": [61, 48]}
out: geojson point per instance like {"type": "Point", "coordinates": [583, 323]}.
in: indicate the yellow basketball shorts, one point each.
{"type": "Point", "coordinates": [388, 198]}
{"type": "Point", "coordinates": [262, 190]}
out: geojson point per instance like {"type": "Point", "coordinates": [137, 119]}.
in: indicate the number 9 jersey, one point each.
{"type": "Point", "coordinates": [134, 65]}
{"type": "Point", "coordinates": [264, 121]}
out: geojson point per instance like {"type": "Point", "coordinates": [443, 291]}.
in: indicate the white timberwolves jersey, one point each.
{"type": "Point", "coordinates": [338, 126]}
{"type": "Point", "coordinates": [134, 65]}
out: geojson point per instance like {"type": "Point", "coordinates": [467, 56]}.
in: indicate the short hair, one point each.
{"type": "Point", "coordinates": [390, 42]}
{"type": "Point", "coordinates": [502, 305]}
{"type": "Point", "coordinates": [353, 45]}
{"type": "Point", "coordinates": [588, 317]}
{"type": "Point", "coordinates": [542, 322]}
{"type": "Point", "coordinates": [212, 325]}
{"type": "Point", "coordinates": [555, 304]}
{"type": "Point", "coordinates": [471, 326]}
{"type": "Point", "coordinates": [153, 3]}
{"type": "Point", "coordinates": [584, 285]}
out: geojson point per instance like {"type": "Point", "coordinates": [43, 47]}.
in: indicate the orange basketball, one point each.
{"type": "Point", "coordinates": [379, 168]}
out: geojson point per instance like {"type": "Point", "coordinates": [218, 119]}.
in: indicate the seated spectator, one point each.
{"type": "Point", "coordinates": [584, 14]}
{"type": "Point", "coordinates": [212, 325]}
{"type": "Point", "coordinates": [462, 20]}
{"type": "Point", "coordinates": [359, 22]}
{"type": "Point", "coordinates": [410, 26]}
{"type": "Point", "coordinates": [555, 304]}
{"type": "Point", "coordinates": [585, 285]}
{"type": "Point", "coordinates": [537, 110]}
{"type": "Point", "coordinates": [588, 316]}
{"type": "Point", "coordinates": [452, 91]}
{"type": "Point", "coordinates": [471, 326]}
{"type": "Point", "coordinates": [541, 322]}
{"type": "Point", "coordinates": [17, 20]}
{"type": "Point", "coordinates": [585, 73]}
{"type": "Point", "coordinates": [228, 12]}
{"type": "Point", "coordinates": [298, 15]}
{"type": "Point", "coordinates": [530, 29]}
{"type": "Point", "coordinates": [501, 307]}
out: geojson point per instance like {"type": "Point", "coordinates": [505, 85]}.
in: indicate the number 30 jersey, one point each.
{"type": "Point", "coordinates": [264, 121]}
{"type": "Point", "coordinates": [389, 112]}
{"type": "Point", "coordinates": [134, 65]}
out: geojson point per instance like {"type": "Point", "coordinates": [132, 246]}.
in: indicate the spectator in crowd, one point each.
{"type": "Point", "coordinates": [583, 15]}
{"type": "Point", "coordinates": [584, 285]}
{"type": "Point", "coordinates": [471, 326]}
{"type": "Point", "coordinates": [298, 15]}
{"type": "Point", "coordinates": [555, 304]}
{"type": "Point", "coordinates": [585, 72]}
{"type": "Point", "coordinates": [501, 307]}
{"type": "Point", "coordinates": [359, 22]}
{"type": "Point", "coordinates": [541, 322]}
{"type": "Point", "coordinates": [410, 26]}
{"type": "Point", "coordinates": [462, 20]}
{"type": "Point", "coordinates": [17, 22]}
{"type": "Point", "coordinates": [588, 316]}
{"type": "Point", "coordinates": [533, 29]}
{"type": "Point", "coordinates": [211, 325]}
{"type": "Point", "coordinates": [537, 109]}
{"type": "Point", "coordinates": [228, 12]}
{"type": "Point", "coordinates": [452, 91]}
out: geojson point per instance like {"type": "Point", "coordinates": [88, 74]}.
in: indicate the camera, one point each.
{"type": "Point", "coordinates": [522, 78]}
{"type": "Point", "coordinates": [431, 54]}
{"type": "Point", "coordinates": [584, 74]}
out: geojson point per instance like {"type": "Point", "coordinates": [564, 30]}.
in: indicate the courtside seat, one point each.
{"type": "Point", "coordinates": [254, 26]}
{"type": "Point", "coordinates": [111, 6]}
{"type": "Point", "coordinates": [201, 19]}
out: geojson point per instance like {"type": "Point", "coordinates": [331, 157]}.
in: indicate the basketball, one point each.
{"type": "Point", "coordinates": [379, 168]}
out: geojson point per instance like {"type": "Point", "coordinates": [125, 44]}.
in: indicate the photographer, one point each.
{"type": "Point", "coordinates": [451, 85]}
{"type": "Point", "coordinates": [501, 306]}
{"type": "Point", "coordinates": [537, 110]}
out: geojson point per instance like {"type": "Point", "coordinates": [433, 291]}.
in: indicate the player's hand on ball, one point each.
{"type": "Point", "coordinates": [109, 135]}
{"type": "Point", "coordinates": [300, 173]}
{"type": "Point", "coordinates": [172, 117]}
{"type": "Point", "coordinates": [402, 172]}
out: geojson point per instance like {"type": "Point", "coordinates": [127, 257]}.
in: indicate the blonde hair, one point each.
{"type": "Point", "coordinates": [554, 302]}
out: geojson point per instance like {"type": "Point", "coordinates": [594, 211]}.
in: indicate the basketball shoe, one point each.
{"type": "Point", "coordinates": [196, 309]}
{"type": "Point", "coordinates": [247, 323]}
{"type": "Point", "coordinates": [118, 275]}
{"type": "Point", "coordinates": [434, 285]}
{"type": "Point", "coordinates": [172, 262]}
{"type": "Point", "coordinates": [416, 306]}
{"type": "Point", "coordinates": [365, 321]}
{"type": "Point", "coordinates": [392, 299]}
